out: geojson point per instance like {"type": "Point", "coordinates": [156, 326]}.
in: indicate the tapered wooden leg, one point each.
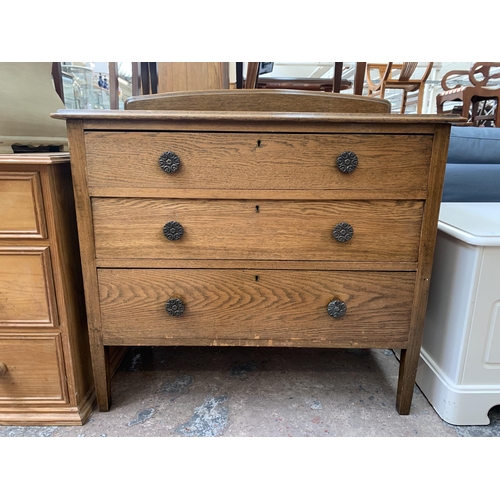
{"type": "Point", "coordinates": [408, 364]}
{"type": "Point", "coordinates": [102, 375]}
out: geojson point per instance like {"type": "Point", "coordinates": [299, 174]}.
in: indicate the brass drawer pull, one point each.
{"type": "Point", "coordinates": [336, 308]}
{"type": "Point", "coordinates": [347, 162]}
{"type": "Point", "coordinates": [173, 230]}
{"type": "Point", "coordinates": [174, 307]}
{"type": "Point", "coordinates": [343, 232]}
{"type": "Point", "coordinates": [169, 162]}
{"type": "Point", "coordinates": [3, 368]}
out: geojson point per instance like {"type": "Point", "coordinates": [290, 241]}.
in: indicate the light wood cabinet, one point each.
{"type": "Point", "coordinates": [46, 373]}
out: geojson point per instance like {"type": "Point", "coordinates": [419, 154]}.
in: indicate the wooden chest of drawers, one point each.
{"type": "Point", "coordinates": [45, 368]}
{"type": "Point", "coordinates": [243, 227]}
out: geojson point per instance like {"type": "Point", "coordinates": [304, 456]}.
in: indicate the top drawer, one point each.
{"type": "Point", "coordinates": [257, 161]}
{"type": "Point", "coordinates": [21, 207]}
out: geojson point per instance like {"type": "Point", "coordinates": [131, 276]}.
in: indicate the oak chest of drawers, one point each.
{"type": "Point", "coordinates": [249, 218]}
{"type": "Point", "coordinates": [45, 368]}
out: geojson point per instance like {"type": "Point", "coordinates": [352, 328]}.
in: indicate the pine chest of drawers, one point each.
{"type": "Point", "coordinates": [248, 218]}
{"type": "Point", "coordinates": [45, 368]}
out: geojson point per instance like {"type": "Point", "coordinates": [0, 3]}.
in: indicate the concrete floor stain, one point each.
{"type": "Point", "coordinates": [316, 405]}
{"type": "Point", "coordinates": [142, 416]}
{"type": "Point", "coordinates": [208, 420]}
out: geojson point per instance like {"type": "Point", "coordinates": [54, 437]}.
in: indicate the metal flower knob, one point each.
{"type": "Point", "coordinates": [347, 162]}
{"type": "Point", "coordinates": [343, 232]}
{"type": "Point", "coordinates": [169, 162]}
{"type": "Point", "coordinates": [174, 307]}
{"type": "Point", "coordinates": [336, 308]}
{"type": "Point", "coordinates": [173, 231]}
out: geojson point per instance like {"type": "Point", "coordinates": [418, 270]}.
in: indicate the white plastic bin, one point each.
{"type": "Point", "coordinates": [459, 368]}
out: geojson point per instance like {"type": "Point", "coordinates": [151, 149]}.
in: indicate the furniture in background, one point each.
{"type": "Point", "coordinates": [252, 75]}
{"type": "Point", "coordinates": [459, 369]}
{"type": "Point", "coordinates": [397, 76]}
{"type": "Point", "coordinates": [315, 84]}
{"type": "Point", "coordinates": [144, 78]}
{"type": "Point", "coordinates": [27, 98]}
{"type": "Point", "coordinates": [182, 76]}
{"type": "Point", "coordinates": [476, 97]}
{"type": "Point", "coordinates": [309, 222]}
{"type": "Point", "coordinates": [473, 165]}
{"type": "Point", "coordinates": [45, 368]}
{"type": "Point", "coordinates": [336, 84]}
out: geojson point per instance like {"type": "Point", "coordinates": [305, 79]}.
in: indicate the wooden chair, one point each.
{"type": "Point", "coordinates": [387, 79]}
{"type": "Point", "coordinates": [316, 84]}
{"type": "Point", "coordinates": [474, 95]}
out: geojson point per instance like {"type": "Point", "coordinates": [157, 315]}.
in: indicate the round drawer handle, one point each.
{"type": "Point", "coordinates": [173, 231]}
{"type": "Point", "coordinates": [174, 307]}
{"type": "Point", "coordinates": [3, 368]}
{"type": "Point", "coordinates": [336, 308]}
{"type": "Point", "coordinates": [343, 232]}
{"type": "Point", "coordinates": [347, 162]}
{"type": "Point", "coordinates": [169, 162]}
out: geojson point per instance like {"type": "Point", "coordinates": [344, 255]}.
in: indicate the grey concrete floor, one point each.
{"type": "Point", "coordinates": [261, 392]}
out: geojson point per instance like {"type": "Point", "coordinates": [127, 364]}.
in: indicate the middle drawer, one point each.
{"type": "Point", "coordinates": [244, 229]}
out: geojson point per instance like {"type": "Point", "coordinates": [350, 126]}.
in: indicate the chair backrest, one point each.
{"type": "Point", "coordinates": [293, 101]}
{"type": "Point", "coordinates": [478, 68]}
{"type": "Point", "coordinates": [407, 69]}
{"type": "Point", "coordinates": [484, 69]}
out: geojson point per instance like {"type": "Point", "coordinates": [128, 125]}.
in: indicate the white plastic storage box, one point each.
{"type": "Point", "coordinates": [459, 368]}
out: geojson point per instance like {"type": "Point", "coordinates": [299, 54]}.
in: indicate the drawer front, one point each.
{"type": "Point", "coordinates": [21, 208]}
{"type": "Point", "coordinates": [259, 304]}
{"type": "Point", "coordinates": [257, 161]}
{"type": "Point", "coordinates": [27, 295]}
{"type": "Point", "coordinates": [243, 229]}
{"type": "Point", "coordinates": [30, 370]}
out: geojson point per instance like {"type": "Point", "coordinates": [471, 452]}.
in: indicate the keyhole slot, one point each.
{"type": "Point", "coordinates": [259, 143]}
{"type": "Point", "coordinates": [256, 278]}
{"type": "Point", "coordinates": [257, 208]}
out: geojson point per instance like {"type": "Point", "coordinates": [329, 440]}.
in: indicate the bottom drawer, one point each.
{"type": "Point", "coordinates": [30, 369]}
{"type": "Point", "coordinates": [258, 307]}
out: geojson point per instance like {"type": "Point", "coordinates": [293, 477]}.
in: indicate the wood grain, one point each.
{"type": "Point", "coordinates": [21, 205]}
{"type": "Point", "coordinates": [276, 150]}
{"type": "Point", "coordinates": [100, 355]}
{"type": "Point", "coordinates": [409, 357]}
{"type": "Point", "coordinates": [242, 229]}
{"type": "Point", "coordinates": [41, 296]}
{"type": "Point", "coordinates": [68, 281]}
{"type": "Point", "coordinates": [256, 304]}
{"type": "Point", "coordinates": [291, 101]}
{"type": "Point", "coordinates": [132, 191]}
{"type": "Point", "coordinates": [26, 287]}
{"type": "Point", "coordinates": [311, 265]}
{"type": "Point", "coordinates": [34, 370]}
{"type": "Point", "coordinates": [257, 161]}
{"type": "Point", "coordinates": [177, 76]}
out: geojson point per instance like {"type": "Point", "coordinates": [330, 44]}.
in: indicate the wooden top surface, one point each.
{"type": "Point", "coordinates": [251, 116]}
{"type": "Point", "coordinates": [34, 158]}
